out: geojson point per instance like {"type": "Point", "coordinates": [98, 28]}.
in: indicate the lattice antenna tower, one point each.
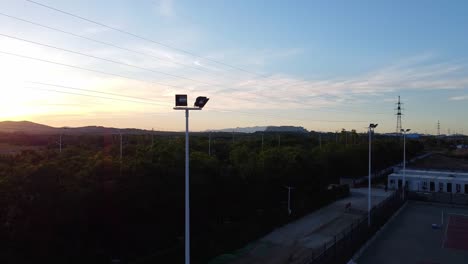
{"type": "Point", "coordinates": [438, 128]}
{"type": "Point", "coordinates": [399, 113]}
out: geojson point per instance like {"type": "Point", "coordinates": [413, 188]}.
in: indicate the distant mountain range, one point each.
{"type": "Point", "coordinates": [34, 128]}
{"type": "Point", "coordinates": [295, 129]}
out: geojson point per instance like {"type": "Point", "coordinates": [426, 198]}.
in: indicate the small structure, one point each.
{"type": "Point", "coordinates": [430, 181]}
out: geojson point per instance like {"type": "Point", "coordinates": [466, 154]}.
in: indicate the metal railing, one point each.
{"type": "Point", "coordinates": [440, 197]}
{"type": "Point", "coordinates": [345, 244]}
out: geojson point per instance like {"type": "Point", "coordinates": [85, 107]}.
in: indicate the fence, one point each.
{"type": "Point", "coordinates": [344, 245]}
{"type": "Point", "coordinates": [439, 197]}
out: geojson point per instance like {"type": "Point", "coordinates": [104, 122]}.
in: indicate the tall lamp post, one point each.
{"type": "Point", "coordinates": [181, 104]}
{"type": "Point", "coordinates": [404, 159]}
{"type": "Point", "coordinates": [369, 206]}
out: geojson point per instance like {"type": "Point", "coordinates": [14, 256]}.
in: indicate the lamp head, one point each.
{"type": "Point", "coordinates": [373, 125]}
{"type": "Point", "coordinates": [181, 100]}
{"type": "Point", "coordinates": [201, 101]}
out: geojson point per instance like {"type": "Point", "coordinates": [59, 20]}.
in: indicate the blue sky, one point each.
{"type": "Point", "coordinates": [324, 65]}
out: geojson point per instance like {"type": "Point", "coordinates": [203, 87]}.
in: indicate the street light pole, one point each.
{"type": "Point", "coordinates": [369, 187]}
{"type": "Point", "coordinates": [369, 204]}
{"type": "Point", "coordinates": [404, 159]}
{"type": "Point", "coordinates": [187, 190]}
{"type": "Point", "coordinates": [181, 104]}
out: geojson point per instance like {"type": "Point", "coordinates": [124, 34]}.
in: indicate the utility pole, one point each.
{"type": "Point", "coordinates": [60, 143]}
{"type": "Point", "coordinates": [289, 198]}
{"type": "Point", "coordinates": [346, 138]}
{"type": "Point", "coordinates": [152, 137]}
{"type": "Point", "coordinates": [320, 140]}
{"type": "Point", "coordinates": [121, 152]}
{"type": "Point", "coordinates": [209, 144]}
{"type": "Point", "coordinates": [262, 142]}
{"type": "Point", "coordinates": [279, 140]}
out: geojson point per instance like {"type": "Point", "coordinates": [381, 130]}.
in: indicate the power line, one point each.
{"type": "Point", "coordinates": [95, 96]}
{"type": "Point", "coordinates": [147, 39]}
{"type": "Point", "coordinates": [87, 69]}
{"type": "Point", "coordinates": [119, 47]}
{"type": "Point", "coordinates": [106, 93]}
{"type": "Point", "coordinates": [122, 48]}
{"type": "Point", "coordinates": [87, 38]}
{"type": "Point", "coordinates": [104, 59]}
{"type": "Point", "coordinates": [116, 46]}
{"type": "Point", "coordinates": [112, 74]}
{"type": "Point", "coordinates": [161, 104]}
{"type": "Point", "coordinates": [106, 43]}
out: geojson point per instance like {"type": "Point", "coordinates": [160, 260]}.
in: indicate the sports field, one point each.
{"type": "Point", "coordinates": [422, 233]}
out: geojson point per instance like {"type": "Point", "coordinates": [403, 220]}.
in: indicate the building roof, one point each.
{"type": "Point", "coordinates": [429, 177]}
{"type": "Point", "coordinates": [432, 173]}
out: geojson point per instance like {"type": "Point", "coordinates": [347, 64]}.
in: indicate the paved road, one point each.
{"type": "Point", "coordinates": [410, 238]}
{"type": "Point", "coordinates": [297, 240]}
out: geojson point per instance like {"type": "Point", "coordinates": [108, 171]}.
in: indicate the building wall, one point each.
{"type": "Point", "coordinates": [439, 185]}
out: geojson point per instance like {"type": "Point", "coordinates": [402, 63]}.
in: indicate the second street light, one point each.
{"type": "Point", "coordinates": [181, 104]}
{"type": "Point", "coordinates": [404, 160]}
{"type": "Point", "coordinates": [369, 204]}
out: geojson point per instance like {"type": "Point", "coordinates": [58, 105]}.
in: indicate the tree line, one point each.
{"type": "Point", "coordinates": [87, 205]}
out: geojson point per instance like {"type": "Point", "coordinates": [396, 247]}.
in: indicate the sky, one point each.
{"type": "Point", "coordinates": [323, 65]}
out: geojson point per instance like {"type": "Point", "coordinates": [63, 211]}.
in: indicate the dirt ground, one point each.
{"type": "Point", "coordinates": [441, 162]}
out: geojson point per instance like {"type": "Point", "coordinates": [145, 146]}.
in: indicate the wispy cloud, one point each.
{"type": "Point", "coordinates": [165, 8]}
{"type": "Point", "coordinates": [459, 98]}
{"type": "Point", "coordinates": [419, 73]}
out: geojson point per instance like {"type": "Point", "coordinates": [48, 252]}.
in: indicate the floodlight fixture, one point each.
{"type": "Point", "coordinates": [373, 125]}
{"type": "Point", "coordinates": [181, 100]}
{"type": "Point", "coordinates": [201, 101]}
{"type": "Point", "coordinates": [181, 104]}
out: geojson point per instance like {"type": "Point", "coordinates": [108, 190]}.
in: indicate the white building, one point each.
{"type": "Point", "coordinates": [430, 181]}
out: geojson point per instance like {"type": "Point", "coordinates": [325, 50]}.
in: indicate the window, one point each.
{"type": "Point", "coordinates": [466, 188]}
{"type": "Point", "coordinates": [399, 184]}
{"type": "Point", "coordinates": [432, 186]}
{"type": "Point", "coordinates": [392, 182]}
{"type": "Point", "coordinates": [449, 187]}
{"type": "Point", "coordinates": [441, 186]}
{"type": "Point", "coordinates": [424, 185]}
{"type": "Point", "coordinates": [457, 187]}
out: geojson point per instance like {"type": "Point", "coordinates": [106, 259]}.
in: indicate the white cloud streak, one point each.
{"type": "Point", "coordinates": [459, 98]}
{"type": "Point", "coordinates": [165, 8]}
